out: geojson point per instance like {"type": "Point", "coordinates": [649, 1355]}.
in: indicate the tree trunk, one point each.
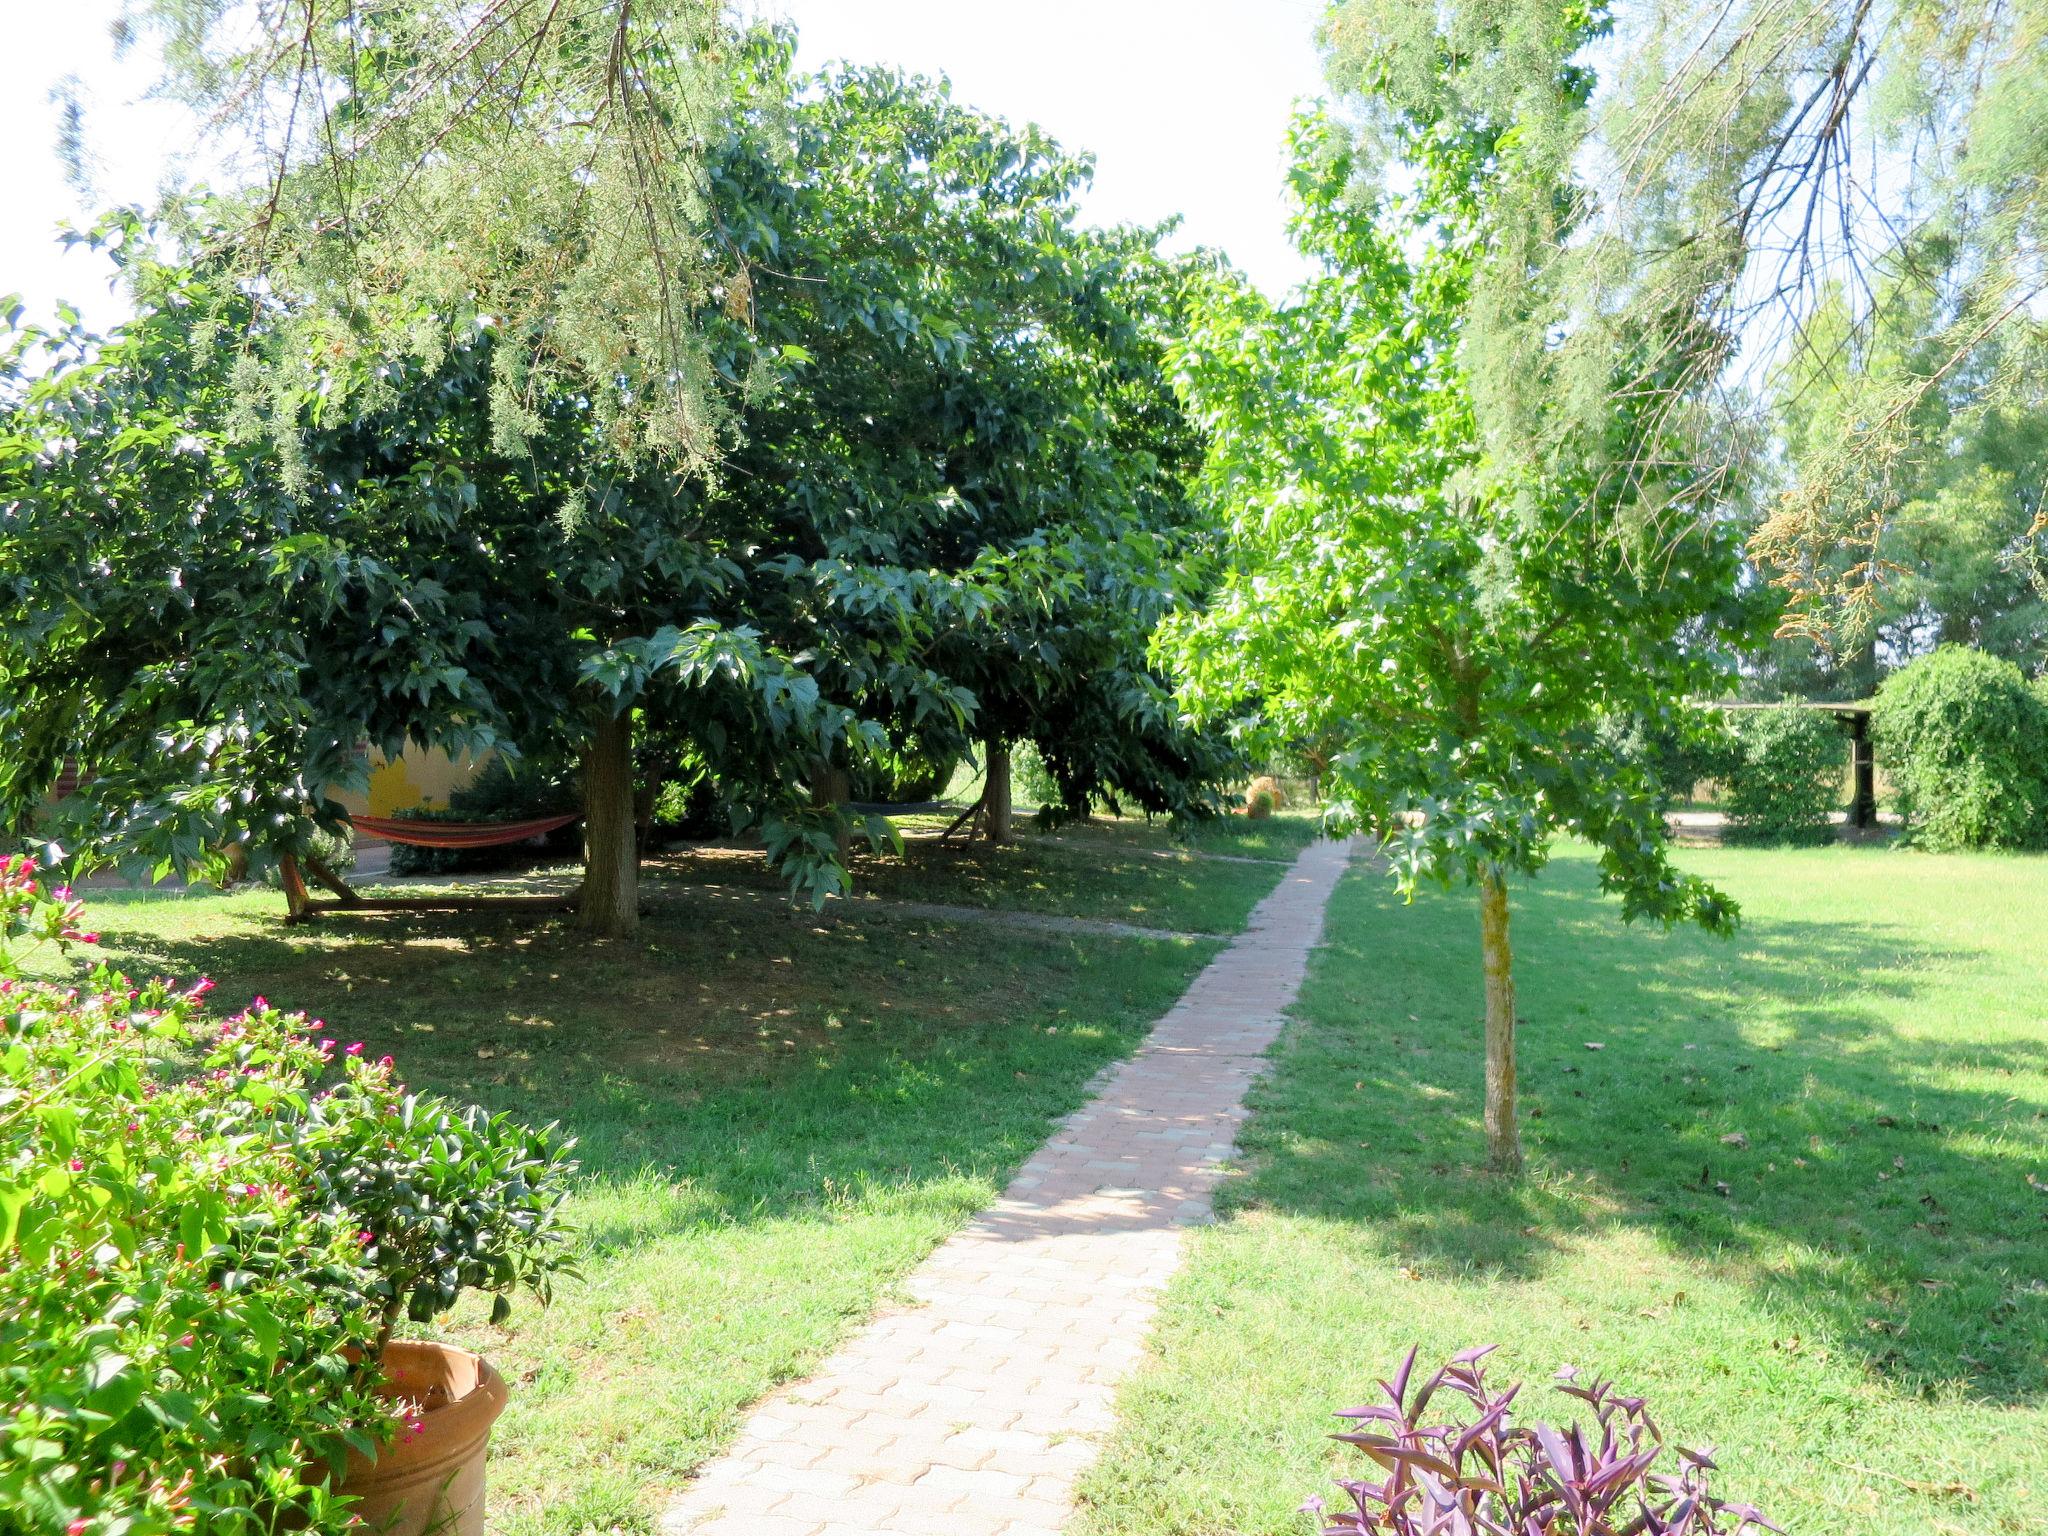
{"type": "Point", "coordinates": [1503, 1138]}
{"type": "Point", "coordinates": [834, 787]}
{"type": "Point", "coordinates": [995, 795]}
{"type": "Point", "coordinates": [610, 906]}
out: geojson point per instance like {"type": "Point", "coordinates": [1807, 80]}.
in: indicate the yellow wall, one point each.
{"type": "Point", "coordinates": [418, 779]}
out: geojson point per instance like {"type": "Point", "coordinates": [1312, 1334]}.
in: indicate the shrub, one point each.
{"type": "Point", "coordinates": [173, 1314]}
{"type": "Point", "coordinates": [499, 793]}
{"type": "Point", "coordinates": [201, 1258]}
{"type": "Point", "coordinates": [1784, 775]}
{"type": "Point", "coordinates": [1487, 1476]}
{"type": "Point", "coordinates": [1030, 779]}
{"type": "Point", "coordinates": [1264, 797]}
{"type": "Point", "coordinates": [687, 810]}
{"type": "Point", "coordinates": [443, 1199]}
{"type": "Point", "coordinates": [1965, 744]}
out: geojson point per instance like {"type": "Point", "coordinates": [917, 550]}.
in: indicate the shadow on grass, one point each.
{"type": "Point", "coordinates": [1800, 1109]}
{"type": "Point", "coordinates": [731, 1064]}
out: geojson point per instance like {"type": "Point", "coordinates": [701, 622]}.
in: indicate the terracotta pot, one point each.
{"type": "Point", "coordinates": [430, 1482]}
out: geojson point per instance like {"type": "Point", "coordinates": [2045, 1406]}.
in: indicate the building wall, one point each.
{"type": "Point", "coordinates": [418, 779]}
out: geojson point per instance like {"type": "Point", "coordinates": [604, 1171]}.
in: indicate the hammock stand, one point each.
{"type": "Point", "coordinates": [301, 907]}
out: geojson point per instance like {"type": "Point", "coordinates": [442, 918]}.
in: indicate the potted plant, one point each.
{"type": "Point", "coordinates": [442, 1199]}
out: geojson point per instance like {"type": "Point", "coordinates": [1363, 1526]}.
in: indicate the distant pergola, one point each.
{"type": "Point", "coordinates": [1854, 719]}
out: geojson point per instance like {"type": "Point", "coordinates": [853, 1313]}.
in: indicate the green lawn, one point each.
{"type": "Point", "coordinates": [779, 1115]}
{"type": "Point", "coordinates": [1799, 1198]}
{"type": "Point", "coordinates": [1121, 868]}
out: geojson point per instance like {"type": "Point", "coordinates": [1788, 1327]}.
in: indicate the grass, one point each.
{"type": "Point", "coordinates": [779, 1116]}
{"type": "Point", "coordinates": [1799, 1199]}
{"type": "Point", "coordinates": [1122, 869]}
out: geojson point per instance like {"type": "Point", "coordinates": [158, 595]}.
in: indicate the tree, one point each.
{"type": "Point", "coordinates": [1964, 533]}
{"type": "Point", "coordinates": [389, 565]}
{"type": "Point", "coordinates": [214, 636]}
{"type": "Point", "coordinates": [977, 442]}
{"type": "Point", "coordinates": [1465, 618]}
{"type": "Point", "coordinates": [1744, 166]}
{"type": "Point", "coordinates": [397, 170]}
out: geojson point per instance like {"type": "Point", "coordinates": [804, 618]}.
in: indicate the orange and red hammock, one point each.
{"type": "Point", "coordinates": [460, 834]}
{"type": "Point", "coordinates": [420, 834]}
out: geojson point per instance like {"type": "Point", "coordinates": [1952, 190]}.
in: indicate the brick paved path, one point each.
{"type": "Point", "coordinates": [973, 1413]}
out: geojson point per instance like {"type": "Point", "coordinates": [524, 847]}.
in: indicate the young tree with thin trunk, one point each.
{"type": "Point", "coordinates": [1462, 621]}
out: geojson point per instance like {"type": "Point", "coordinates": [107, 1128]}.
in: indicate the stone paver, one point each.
{"type": "Point", "coordinates": [973, 1413]}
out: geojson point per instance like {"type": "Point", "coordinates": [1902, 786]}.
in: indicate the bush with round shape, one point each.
{"type": "Point", "coordinates": [1264, 797]}
{"type": "Point", "coordinates": [1964, 741]}
{"type": "Point", "coordinates": [176, 1319]}
{"type": "Point", "coordinates": [1784, 775]}
{"type": "Point", "coordinates": [445, 1198]}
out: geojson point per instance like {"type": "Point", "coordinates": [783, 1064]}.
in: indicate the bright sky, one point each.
{"type": "Point", "coordinates": [1183, 102]}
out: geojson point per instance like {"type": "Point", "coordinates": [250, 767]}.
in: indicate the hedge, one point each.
{"type": "Point", "coordinates": [1965, 743]}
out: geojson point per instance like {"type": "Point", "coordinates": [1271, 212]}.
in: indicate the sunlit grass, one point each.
{"type": "Point", "coordinates": [779, 1115]}
{"type": "Point", "coordinates": [1798, 1198]}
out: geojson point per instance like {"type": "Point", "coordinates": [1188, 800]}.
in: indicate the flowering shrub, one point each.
{"type": "Point", "coordinates": [173, 1317]}
{"type": "Point", "coordinates": [1486, 1476]}
{"type": "Point", "coordinates": [201, 1258]}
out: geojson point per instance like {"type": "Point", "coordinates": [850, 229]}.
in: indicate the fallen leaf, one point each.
{"type": "Point", "coordinates": [1595, 1045]}
{"type": "Point", "coordinates": [1735, 1139]}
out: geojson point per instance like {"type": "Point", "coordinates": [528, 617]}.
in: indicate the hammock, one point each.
{"type": "Point", "coordinates": [301, 907]}
{"type": "Point", "coordinates": [459, 834]}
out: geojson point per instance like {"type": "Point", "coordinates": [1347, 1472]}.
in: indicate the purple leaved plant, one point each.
{"type": "Point", "coordinates": [1484, 1475]}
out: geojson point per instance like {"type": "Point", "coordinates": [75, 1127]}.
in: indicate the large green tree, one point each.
{"type": "Point", "coordinates": [955, 481]}
{"type": "Point", "coordinates": [1685, 235]}
{"type": "Point", "coordinates": [212, 633]}
{"type": "Point", "coordinates": [1462, 617]}
{"type": "Point", "coordinates": [977, 416]}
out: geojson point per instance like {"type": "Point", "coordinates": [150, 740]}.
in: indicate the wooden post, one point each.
{"type": "Point", "coordinates": [1863, 809]}
{"type": "Point", "coordinates": [610, 905]}
{"type": "Point", "coordinates": [1503, 1137]}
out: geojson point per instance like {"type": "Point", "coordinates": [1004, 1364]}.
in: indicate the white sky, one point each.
{"type": "Point", "coordinates": [1183, 102]}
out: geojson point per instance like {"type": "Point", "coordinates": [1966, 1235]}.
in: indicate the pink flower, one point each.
{"type": "Point", "coordinates": [356, 1049]}
{"type": "Point", "coordinates": [78, 1527]}
{"type": "Point", "coordinates": [384, 1061]}
{"type": "Point", "coordinates": [77, 1165]}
